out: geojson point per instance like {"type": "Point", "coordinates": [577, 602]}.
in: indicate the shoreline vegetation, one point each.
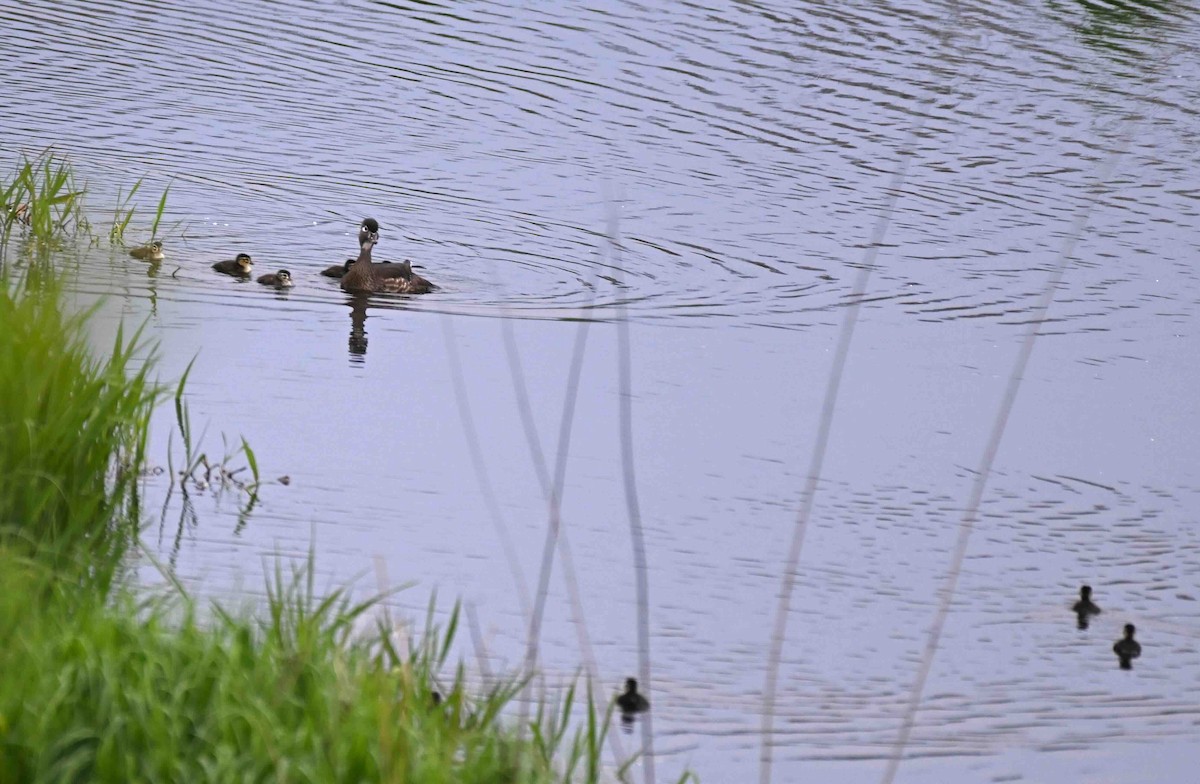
{"type": "Point", "coordinates": [109, 681]}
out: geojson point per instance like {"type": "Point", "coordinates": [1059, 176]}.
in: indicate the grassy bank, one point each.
{"type": "Point", "coordinates": [155, 690]}
{"type": "Point", "coordinates": [105, 682]}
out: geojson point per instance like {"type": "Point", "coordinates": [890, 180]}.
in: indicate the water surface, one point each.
{"type": "Point", "coordinates": [743, 157]}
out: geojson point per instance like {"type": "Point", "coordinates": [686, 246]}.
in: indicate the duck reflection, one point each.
{"type": "Point", "coordinates": [358, 329]}
{"type": "Point", "coordinates": [1085, 607]}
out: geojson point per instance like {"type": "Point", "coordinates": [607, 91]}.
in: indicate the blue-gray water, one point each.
{"type": "Point", "coordinates": [745, 153]}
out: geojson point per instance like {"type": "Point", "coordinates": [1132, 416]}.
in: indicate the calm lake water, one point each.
{"type": "Point", "coordinates": [716, 174]}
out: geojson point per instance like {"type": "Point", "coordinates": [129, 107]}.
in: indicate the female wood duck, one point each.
{"type": "Point", "coordinates": [386, 269]}
{"type": "Point", "coordinates": [149, 252]}
{"type": "Point", "coordinates": [1127, 648]}
{"type": "Point", "coordinates": [365, 277]}
{"type": "Point", "coordinates": [280, 280]}
{"type": "Point", "coordinates": [631, 701]}
{"type": "Point", "coordinates": [238, 267]}
{"type": "Point", "coordinates": [368, 228]}
{"type": "Point", "coordinates": [1085, 607]}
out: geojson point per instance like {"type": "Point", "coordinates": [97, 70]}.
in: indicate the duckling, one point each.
{"type": "Point", "coordinates": [1127, 648]}
{"type": "Point", "coordinates": [631, 701]}
{"type": "Point", "coordinates": [238, 267]}
{"type": "Point", "coordinates": [412, 283]}
{"type": "Point", "coordinates": [385, 268]}
{"type": "Point", "coordinates": [152, 251]}
{"type": "Point", "coordinates": [338, 270]}
{"type": "Point", "coordinates": [280, 280]}
{"type": "Point", "coordinates": [1085, 607]}
{"type": "Point", "coordinates": [17, 212]}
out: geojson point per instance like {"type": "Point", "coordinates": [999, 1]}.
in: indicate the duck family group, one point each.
{"type": "Point", "coordinates": [358, 276]}
{"type": "Point", "coordinates": [1127, 649]}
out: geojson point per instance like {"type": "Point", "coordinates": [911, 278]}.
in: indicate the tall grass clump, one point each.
{"type": "Point", "coordinates": [155, 690]}
{"type": "Point", "coordinates": [72, 427]}
{"type": "Point", "coordinates": [101, 681]}
{"type": "Point", "coordinates": [42, 196]}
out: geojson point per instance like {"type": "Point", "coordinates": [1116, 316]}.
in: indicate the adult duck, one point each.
{"type": "Point", "coordinates": [366, 277]}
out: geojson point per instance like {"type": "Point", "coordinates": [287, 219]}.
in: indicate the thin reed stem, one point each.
{"type": "Point", "coordinates": [828, 406]}
{"type": "Point", "coordinates": [637, 535]}
{"type": "Point", "coordinates": [988, 458]}
{"type": "Point", "coordinates": [480, 466]}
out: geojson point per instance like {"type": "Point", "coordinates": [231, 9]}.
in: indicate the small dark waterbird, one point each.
{"type": "Point", "coordinates": [151, 251]}
{"type": "Point", "coordinates": [280, 280]}
{"type": "Point", "coordinates": [631, 701]}
{"type": "Point", "coordinates": [238, 267]}
{"type": "Point", "coordinates": [1127, 648]}
{"type": "Point", "coordinates": [1085, 607]}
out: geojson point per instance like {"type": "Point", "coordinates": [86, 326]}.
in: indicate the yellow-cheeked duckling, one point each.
{"type": "Point", "coordinates": [1127, 648]}
{"type": "Point", "coordinates": [631, 701]}
{"type": "Point", "coordinates": [280, 280]}
{"type": "Point", "coordinates": [151, 251]}
{"type": "Point", "coordinates": [239, 267]}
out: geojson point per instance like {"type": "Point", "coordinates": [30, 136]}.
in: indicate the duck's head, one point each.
{"type": "Point", "coordinates": [1129, 630]}
{"type": "Point", "coordinates": [1085, 592]}
{"type": "Point", "coordinates": [155, 247]}
{"type": "Point", "coordinates": [631, 685]}
{"type": "Point", "coordinates": [243, 260]}
{"type": "Point", "coordinates": [285, 278]}
{"type": "Point", "coordinates": [369, 228]}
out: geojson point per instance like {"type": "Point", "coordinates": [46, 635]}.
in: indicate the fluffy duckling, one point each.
{"type": "Point", "coordinates": [1085, 607]}
{"type": "Point", "coordinates": [385, 268]}
{"type": "Point", "coordinates": [280, 280]}
{"type": "Point", "coordinates": [151, 251]}
{"type": "Point", "coordinates": [1127, 648]}
{"type": "Point", "coordinates": [238, 267]}
{"type": "Point", "coordinates": [631, 701]}
{"type": "Point", "coordinates": [338, 270]}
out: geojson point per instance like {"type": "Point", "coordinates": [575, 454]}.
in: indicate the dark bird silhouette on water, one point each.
{"type": "Point", "coordinates": [1127, 648]}
{"type": "Point", "coordinates": [1085, 607]}
{"type": "Point", "coordinates": [631, 701]}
